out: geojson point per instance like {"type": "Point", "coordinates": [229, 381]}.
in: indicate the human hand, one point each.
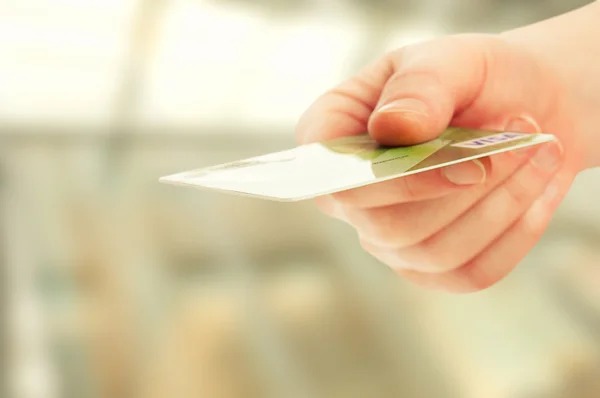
{"type": "Point", "coordinates": [461, 228]}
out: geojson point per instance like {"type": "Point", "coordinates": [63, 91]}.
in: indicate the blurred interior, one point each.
{"type": "Point", "coordinates": [117, 286]}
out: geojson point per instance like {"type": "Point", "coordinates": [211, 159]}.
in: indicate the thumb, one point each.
{"type": "Point", "coordinates": [431, 83]}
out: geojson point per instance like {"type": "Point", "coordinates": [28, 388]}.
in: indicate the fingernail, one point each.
{"type": "Point", "coordinates": [467, 173]}
{"type": "Point", "coordinates": [523, 124]}
{"type": "Point", "coordinates": [549, 157]}
{"type": "Point", "coordinates": [405, 105]}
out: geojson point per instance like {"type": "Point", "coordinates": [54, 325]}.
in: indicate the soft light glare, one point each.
{"type": "Point", "coordinates": [299, 63]}
{"type": "Point", "coordinates": [219, 65]}
{"type": "Point", "coordinates": [60, 63]}
{"type": "Point", "coordinates": [202, 52]}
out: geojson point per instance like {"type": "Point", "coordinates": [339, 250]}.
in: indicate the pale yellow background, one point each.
{"type": "Point", "coordinates": [117, 286]}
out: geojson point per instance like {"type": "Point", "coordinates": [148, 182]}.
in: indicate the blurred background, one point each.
{"type": "Point", "coordinates": [117, 286]}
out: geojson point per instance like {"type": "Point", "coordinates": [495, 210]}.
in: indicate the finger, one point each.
{"type": "Point", "coordinates": [431, 82]}
{"type": "Point", "coordinates": [423, 186]}
{"type": "Point", "coordinates": [488, 219]}
{"type": "Point", "coordinates": [500, 258]}
{"type": "Point", "coordinates": [345, 109]}
{"type": "Point", "coordinates": [416, 91]}
{"type": "Point", "coordinates": [407, 224]}
{"type": "Point", "coordinates": [436, 183]}
{"type": "Point", "coordinates": [471, 233]}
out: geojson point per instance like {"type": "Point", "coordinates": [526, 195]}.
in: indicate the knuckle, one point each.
{"type": "Point", "coordinates": [354, 93]}
{"type": "Point", "coordinates": [416, 278]}
{"type": "Point", "coordinates": [418, 72]}
{"type": "Point", "coordinates": [482, 281]}
{"type": "Point", "coordinates": [481, 274]}
{"type": "Point", "coordinates": [475, 278]}
{"type": "Point", "coordinates": [535, 221]}
{"type": "Point", "coordinates": [347, 198]}
{"type": "Point", "coordinates": [517, 191]}
{"type": "Point", "coordinates": [382, 255]}
{"type": "Point", "coordinates": [393, 59]}
{"type": "Point", "coordinates": [414, 81]}
{"type": "Point", "coordinates": [389, 233]}
{"type": "Point", "coordinates": [378, 226]}
{"type": "Point", "coordinates": [399, 260]}
{"type": "Point", "coordinates": [434, 259]}
{"type": "Point", "coordinates": [367, 246]}
{"type": "Point", "coordinates": [493, 213]}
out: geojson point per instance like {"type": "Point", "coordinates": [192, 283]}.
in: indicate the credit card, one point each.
{"type": "Point", "coordinates": [317, 169]}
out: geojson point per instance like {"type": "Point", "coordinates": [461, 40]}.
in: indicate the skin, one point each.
{"type": "Point", "coordinates": [464, 228]}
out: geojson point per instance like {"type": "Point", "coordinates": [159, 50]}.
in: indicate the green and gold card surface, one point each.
{"type": "Point", "coordinates": [323, 168]}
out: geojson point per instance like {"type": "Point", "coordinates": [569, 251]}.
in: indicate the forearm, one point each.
{"type": "Point", "coordinates": [571, 45]}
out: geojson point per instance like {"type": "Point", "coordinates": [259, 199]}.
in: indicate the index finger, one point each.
{"type": "Point", "coordinates": [407, 97]}
{"type": "Point", "coordinates": [345, 110]}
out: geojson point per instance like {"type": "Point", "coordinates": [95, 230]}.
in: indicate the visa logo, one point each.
{"type": "Point", "coordinates": [490, 140]}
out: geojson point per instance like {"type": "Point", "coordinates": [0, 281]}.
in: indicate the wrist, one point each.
{"type": "Point", "coordinates": [567, 47]}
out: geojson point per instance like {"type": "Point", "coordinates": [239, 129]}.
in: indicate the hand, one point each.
{"type": "Point", "coordinates": [465, 227]}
